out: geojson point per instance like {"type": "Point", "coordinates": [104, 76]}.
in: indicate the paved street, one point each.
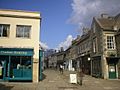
{"type": "Point", "coordinates": [55, 81]}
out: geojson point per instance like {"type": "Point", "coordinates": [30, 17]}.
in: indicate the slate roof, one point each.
{"type": "Point", "coordinates": [109, 23]}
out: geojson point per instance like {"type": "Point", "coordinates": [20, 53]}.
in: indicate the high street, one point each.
{"type": "Point", "coordinates": [53, 80]}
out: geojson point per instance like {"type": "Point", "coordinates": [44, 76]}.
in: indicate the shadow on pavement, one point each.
{"type": "Point", "coordinates": [4, 87]}
{"type": "Point", "coordinates": [43, 77]}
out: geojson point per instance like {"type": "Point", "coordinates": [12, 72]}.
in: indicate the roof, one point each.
{"type": "Point", "coordinates": [106, 23]}
{"type": "Point", "coordinates": [109, 22]}
{"type": "Point", "coordinates": [19, 13]}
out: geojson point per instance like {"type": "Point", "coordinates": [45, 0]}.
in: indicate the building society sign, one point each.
{"type": "Point", "coordinates": [17, 52]}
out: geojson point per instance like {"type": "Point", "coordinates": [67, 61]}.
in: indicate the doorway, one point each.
{"type": "Point", "coordinates": [4, 64]}
{"type": "Point", "coordinates": [112, 71]}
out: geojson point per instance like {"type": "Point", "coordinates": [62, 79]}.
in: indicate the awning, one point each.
{"type": "Point", "coordinates": [112, 60]}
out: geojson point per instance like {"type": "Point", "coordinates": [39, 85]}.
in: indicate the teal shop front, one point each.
{"type": "Point", "coordinates": [16, 64]}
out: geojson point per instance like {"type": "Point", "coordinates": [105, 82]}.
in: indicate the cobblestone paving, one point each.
{"type": "Point", "coordinates": [55, 81]}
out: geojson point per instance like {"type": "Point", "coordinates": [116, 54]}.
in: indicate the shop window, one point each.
{"type": "Point", "coordinates": [21, 66]}
{"type": "Point", "coordinates": [23, 31]}
{"type": "Point", "coordinates": [4, 30]}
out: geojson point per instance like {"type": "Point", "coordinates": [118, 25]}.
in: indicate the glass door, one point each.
{"type": "Point", "coordinates": [4, 61]}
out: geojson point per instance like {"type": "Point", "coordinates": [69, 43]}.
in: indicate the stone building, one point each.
{"type": "Point", "coordinates": [118, 50]}
{"type": "Point", "coordinates": [19, 45]}
{"type": "Point", "coordinates": [103, 51]}
{"type": "Point", "coordinates": [83, 51]}
{"type": "Point", "coordinates": [68, 60]}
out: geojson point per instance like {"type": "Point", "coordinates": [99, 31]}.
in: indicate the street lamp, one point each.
{"type": "Point", "coordinates": [89, 59]}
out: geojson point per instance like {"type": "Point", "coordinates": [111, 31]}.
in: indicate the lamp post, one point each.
{"type": "Point", "coordinates": [89, 59]}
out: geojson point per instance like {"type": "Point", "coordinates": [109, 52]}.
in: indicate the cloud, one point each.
{"type": "Point", "coordinates": [84, 10]}
{"type": "Point", "coordinates": [65, 44]}
{"type": "Point", "coordinates": [44, 45]}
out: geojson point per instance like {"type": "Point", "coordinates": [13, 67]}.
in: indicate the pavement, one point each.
{"type": "Point", "coordinates": [53, 80]}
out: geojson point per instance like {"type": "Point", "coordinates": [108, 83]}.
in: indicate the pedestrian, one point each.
{"type": "Point", "coordinates": [61, 68]}
{"type": "Point", "coordinates": [80, 76]}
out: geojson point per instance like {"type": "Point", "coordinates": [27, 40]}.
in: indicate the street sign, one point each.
{"type": "Point", "coordinates": [73, 78]}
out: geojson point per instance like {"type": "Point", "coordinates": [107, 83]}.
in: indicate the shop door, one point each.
{"type": "Point", "coordinates": [3, 69]}
{"type": "Point", "coordinates": [112, 72]}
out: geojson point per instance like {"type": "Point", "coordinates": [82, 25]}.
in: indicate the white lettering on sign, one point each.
{"type": "Point", "coordinates": [13, 52]}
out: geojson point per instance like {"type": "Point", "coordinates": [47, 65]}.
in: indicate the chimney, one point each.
{"type": "Point", "coordinates": [104, 15]}
{"type": "Point", "coordinates": [61, 49]}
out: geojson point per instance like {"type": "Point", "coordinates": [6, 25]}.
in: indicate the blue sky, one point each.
{"type": "Point", "coordinates": [62, 20]}
{"type": "Point", "coordinates": [55, 14]}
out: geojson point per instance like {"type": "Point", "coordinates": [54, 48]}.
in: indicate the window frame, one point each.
{"type": "Point", "coordinates": [23, 31]}
{"type": "Point", "coordinates": [4, 30]}
{"type": "Point", "coordinates": [110, 42]}
{"type": "Point", "coordinates": [94, 45]}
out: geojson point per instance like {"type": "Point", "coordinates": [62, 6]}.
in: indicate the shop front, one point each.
{"type": "Point", "coordinates": [112, 67]}
{"type": "Point", "coordinates": [16, 64]}
{"type": "Point", "coordinates": [85, 64]}
{"type": "Point", "coordinates": [96, 67]}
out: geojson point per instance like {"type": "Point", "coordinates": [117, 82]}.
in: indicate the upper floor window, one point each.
{"type": "Point", "coordinates": [4, 30]}
{"type": "Point", "coordinates": [95, 45]}
{"type": "Point", "coordinates": [23, 31]}
{"type": "Point", "coordinates": [94, 28]}
{"type": "Point", "coordinates": [110, 42]}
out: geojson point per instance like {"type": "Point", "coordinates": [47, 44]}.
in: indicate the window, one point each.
{"type": "Point", "coordinates": [110, 42]}
{"type": "Point", "coordinates": [94, 28]}
{"type": "Point", "coordinates": [23, 31]}
{"type": "Point", "coordinates": [94, 45]}
{"type": "Point", "coordinates": [4, 30]}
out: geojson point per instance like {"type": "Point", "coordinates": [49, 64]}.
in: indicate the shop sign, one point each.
{"type": "Point", "coordinates": [16, 52]}
{"type": "Point", "coordinates": [73, 78]}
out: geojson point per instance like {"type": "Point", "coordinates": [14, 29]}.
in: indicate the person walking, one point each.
{"type": "Point", "coordinates": [61, 68]}
{"type": "Point", "coordinates": [80, 76]}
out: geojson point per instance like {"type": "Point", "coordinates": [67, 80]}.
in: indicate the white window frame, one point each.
{"type": "Point", "coordinates": [95, 45]}
{"type": "Point", "coordinates": [94, 28]}
{"type": "Point", "coordinates": [4, 27]}
{"type": "Point", "coordinates": [23, 31]}
{"type": "Point", "coordinates": [110, 42]}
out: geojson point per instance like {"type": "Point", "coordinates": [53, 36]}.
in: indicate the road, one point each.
{"type": "Point", "coordinates": [53, 80]}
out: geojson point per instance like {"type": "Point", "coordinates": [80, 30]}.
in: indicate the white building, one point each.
{"type": "Point", "coordinates": [19, 44]}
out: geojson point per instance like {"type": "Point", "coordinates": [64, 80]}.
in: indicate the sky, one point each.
{"type": "Point", "coordinates": [63, 20]}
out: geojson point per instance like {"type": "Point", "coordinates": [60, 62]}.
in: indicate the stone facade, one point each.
{"type": "Point", "coordinates": [103, 51]}
{"type": "Point", "coordinates": [118, 50]}
{"type": "Point", "coordinates": [83, 51]}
